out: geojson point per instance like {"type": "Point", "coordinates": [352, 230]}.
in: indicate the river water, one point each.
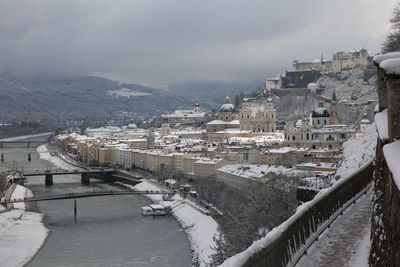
{"type": "Point", "coordinates": [108, 231]}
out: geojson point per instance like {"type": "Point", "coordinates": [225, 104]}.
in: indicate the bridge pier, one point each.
{"type": "Point", "coordinates": [49, 179]}
{"type": "Point", "coordinates": [85, 178]}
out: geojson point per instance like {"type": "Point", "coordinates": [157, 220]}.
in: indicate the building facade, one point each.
{"type": "Point", "coordinates": [258, 116]}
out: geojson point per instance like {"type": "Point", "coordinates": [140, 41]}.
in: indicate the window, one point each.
{"type": "Point", "coordinates": [324, 121]}
{"type": "Point", "coordinates": [293, 138]}
{"type": "Point", "coordinates": [317, 121]}
{"type": "Point", "coordinates": [308, 136]}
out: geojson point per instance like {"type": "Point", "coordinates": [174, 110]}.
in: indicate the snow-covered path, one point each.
{"type": "Point", "coordinates": [346, 243]}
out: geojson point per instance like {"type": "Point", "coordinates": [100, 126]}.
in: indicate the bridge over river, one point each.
{"type": "Point", "coordinates": [22, 143]}
{"type": "Point", "coordinates": [86, 195]}
{"type": "Point", "coordinates": [110, 175]}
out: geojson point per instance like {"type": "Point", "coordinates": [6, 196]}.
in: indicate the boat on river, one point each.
{"type": "Point", "coordinates": [155, 210]}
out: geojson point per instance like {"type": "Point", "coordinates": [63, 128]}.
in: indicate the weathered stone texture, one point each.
{"type": "Point", "coordinates": [385, 226]}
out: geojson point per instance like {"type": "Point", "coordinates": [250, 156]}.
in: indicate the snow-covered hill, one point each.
{"type": "Point", "coordinates": [356, 85]}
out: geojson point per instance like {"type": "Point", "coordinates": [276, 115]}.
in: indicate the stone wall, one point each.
{"type": "Point", "coordinates": [385, 224]}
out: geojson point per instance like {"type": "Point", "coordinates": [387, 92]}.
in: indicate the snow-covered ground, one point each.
{"type": "Point", "coordinates": [20, 192]}
{"type": "Point", "coordinates": [22, 233]}
{"type": "Point", "coordinates": [125, 92]}
{"type": "Point", "coordinates": [357, 152]}
{"type": "Point", "coordinates": [346, 243]}
{"type": "Point", "coordinates": [55, 160]}
{"type": "Point", "coordinates": [199, 227]}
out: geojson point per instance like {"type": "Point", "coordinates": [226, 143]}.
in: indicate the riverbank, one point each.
{"type": "Point", "coordinates": [22, 231]}
{"type": "Point", "coordinates": [57, 161]}
{"type": "Point", "coordinates": [199, 227]}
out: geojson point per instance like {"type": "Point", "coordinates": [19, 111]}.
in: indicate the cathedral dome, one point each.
{"type": "Point", "coordinates": [227, 106]}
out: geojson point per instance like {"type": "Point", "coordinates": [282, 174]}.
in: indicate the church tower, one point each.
{"type": "Point", "coordinates": [150, 139]}
{"type": "Point", "coordinates": [270, 113]}
{"type": "Point", "coordinates": [334, 110]}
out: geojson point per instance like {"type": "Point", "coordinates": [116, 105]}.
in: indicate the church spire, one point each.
{"type": "Point", "coordinates": [334, 98]}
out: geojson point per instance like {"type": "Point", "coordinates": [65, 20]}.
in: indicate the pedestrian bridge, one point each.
{"type": "Point", "coordinates": [13, 144]}
{"type": "Point", "coordinates": [86, 195]}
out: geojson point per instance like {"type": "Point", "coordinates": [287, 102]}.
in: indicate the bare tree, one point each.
{"type": "Point", "coordinates": [248, 213]}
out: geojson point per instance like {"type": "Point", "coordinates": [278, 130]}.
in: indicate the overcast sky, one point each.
{"type": "Point", "coordinates": [160, 42]}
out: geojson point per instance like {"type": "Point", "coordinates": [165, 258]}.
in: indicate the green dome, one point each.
{"type": "Point", "coordinates": [225, 108]}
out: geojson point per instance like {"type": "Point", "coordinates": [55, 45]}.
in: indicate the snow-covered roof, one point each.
{"type": "Point", "coordinates": [209, 161]}
{"type": "Point", "coordinates": [284, 150]}
{"type": "Point", "coordinates": [320, 112]}
{"type": "Point", "coordinates": [325, 165]}
{"type": "Point", "coordinates": [231, 130]}
{"type": "Point", "coordinates": [334, 128]}
{"type": "Point", "coordinates": [253, 171]}
{"type": "Point", "coordinates": [236, 122]}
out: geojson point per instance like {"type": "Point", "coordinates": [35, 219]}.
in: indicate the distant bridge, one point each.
{"type": "Point", "coordinates": [65, 172]}
{"type": "Point", "coordinates": [11, 144]}
{"type": "Point", "coordinates": [86, 195]}
{"type": "Point", "coordinates": [108, 174]}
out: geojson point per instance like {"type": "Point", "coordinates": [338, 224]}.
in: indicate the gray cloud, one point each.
{"type": "Point", "coordinates": [169, 41]}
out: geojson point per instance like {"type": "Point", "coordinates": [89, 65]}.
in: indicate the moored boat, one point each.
{"type": "Point", "coordinates": [155, 210]}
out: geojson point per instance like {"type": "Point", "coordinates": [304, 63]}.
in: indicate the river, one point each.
{"type": "Point", "coordinates": [108, 231]}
